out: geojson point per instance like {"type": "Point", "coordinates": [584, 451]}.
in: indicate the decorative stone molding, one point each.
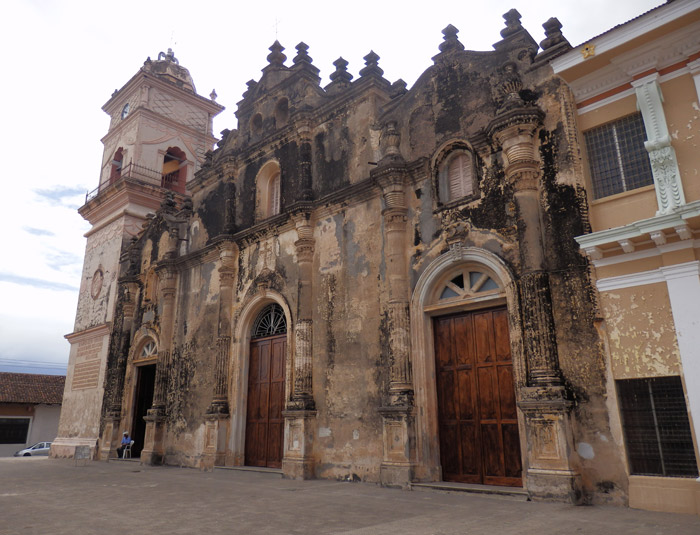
{"type": "Point", "coordinates": [664, 166]}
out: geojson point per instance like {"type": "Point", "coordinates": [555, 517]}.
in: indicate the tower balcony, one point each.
{"type": "Point", "coordinates": [173, 181]}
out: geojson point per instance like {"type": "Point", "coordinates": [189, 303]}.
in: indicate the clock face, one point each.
{"type": "Point", "coordinates": [125, 110]}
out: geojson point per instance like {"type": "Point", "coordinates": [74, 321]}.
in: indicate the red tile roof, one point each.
{"type": "Point", "coordinates": [31, 388]}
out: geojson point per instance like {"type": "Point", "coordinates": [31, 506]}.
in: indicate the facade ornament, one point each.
{"type": "Point", "coordinates": [276, 58]}
{"type": "Point", "coordinates": [662, 156]}
{"type": "Point", "coordinates": [167, 56]}
{"type": "Point", "coordinates": [451, 42]}
{"type": "Point", "coordinates": [371, 65]}
{"type": "Point", "coordinates": [341, 74]}
{"type": "Point", "coordinates": [513, 24]}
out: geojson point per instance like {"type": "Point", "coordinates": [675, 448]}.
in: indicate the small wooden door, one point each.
{"type": "Point", "coordinates": [479, 440]}
{"type": "Point", "coordinates": [264, 422]}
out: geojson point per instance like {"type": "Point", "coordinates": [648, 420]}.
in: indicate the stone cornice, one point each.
{"type": "Point", "coordinates": [676, 222]}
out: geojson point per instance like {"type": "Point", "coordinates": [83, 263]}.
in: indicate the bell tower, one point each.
{"type": "Point", "coordinates": [159, 132]}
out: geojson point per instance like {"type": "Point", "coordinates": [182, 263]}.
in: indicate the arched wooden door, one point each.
{"type": "Point", "coordinates": [264, 421]}
{"type": "Point", "coordinates": [479, 439]}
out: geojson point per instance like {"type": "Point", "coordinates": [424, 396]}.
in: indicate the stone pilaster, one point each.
{"type": "Point", "coordinates": [217, 417]}
{"type": "Point", "coordinates": [300, 416]}
{"type": "Point", "coordinates": [398, 430]}
{"type": "Point", "coordinates": [154, 445]}
{"type": "Point", "coordinates": [544, 402]}
{"type": "Point", "coordinates": [111, 434]}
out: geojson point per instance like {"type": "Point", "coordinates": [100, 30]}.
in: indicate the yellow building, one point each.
{"type": "Point", "coordinates": [637, 89]}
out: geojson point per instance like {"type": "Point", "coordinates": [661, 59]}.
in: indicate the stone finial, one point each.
{"type": "Point", "coordinates": [276, 58]}
{"type": "Point", "coordinates": [251, 86]}
{"type": "Point", "coordinates": [371, 65]}
{"type": "Point", "coordinates": [168, 56]}
{"type": "Point", "coordinates": [398, 88]}
{"type": "Point", "coordinates": [302, 60]}
{"type": "Point", "coordinates": [513, 25]}
{"type": "Point", "coordinates": [552, 31]}
{"type": "Point", "coordinates": [451, 42]}
{"type": "Point", "coordinates": [341, 74]}
{"type": "Point", "coordinates": [302, 54]}
{"type": "Point", "coordinates": [213, 94]}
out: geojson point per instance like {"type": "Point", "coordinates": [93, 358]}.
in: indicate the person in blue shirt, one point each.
{"type": "Point", "coordinates": [126, 439]}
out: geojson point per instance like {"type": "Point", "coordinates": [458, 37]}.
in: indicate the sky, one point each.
{"type": "Point", "coordinates": [62, 59]}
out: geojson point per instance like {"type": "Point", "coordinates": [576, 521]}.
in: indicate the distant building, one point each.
{"type": "Point", "coordinates": [366, 281]}
{"type": "Point", "coordinates": [30, 405]}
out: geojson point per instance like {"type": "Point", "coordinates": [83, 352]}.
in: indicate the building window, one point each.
{"type": "Point", "coordinates": [270, 322]}
{"type": "Point", "coordinates": [467, 283]}
{"type": "Point", "coordinates": [656, 427]}
{"type": "Point", "coordinates": [456, 178]}
{"type": "Point", "coordinates": [268, 191]}
{"type": "Point", "coordinates": [617, 158]}
{"type": "Point", "coordinates": [14, 430]}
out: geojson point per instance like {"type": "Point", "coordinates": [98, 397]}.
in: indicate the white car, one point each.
{"type": "Point", "coordinates": [40, 448]}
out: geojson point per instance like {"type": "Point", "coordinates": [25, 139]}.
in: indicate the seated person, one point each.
{"type": "Point", "coordinates": [126, 439]}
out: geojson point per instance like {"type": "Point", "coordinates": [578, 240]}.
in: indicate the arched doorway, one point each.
{"type": "Point", "coordinates": [467, 366]}
{"type": "Point", "coordinates": [266, 379]}
{"type": "Point", "coordinates": [145, 369]}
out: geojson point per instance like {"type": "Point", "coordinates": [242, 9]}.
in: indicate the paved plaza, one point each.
{"type": "Point", "coordinates": [40, 495]}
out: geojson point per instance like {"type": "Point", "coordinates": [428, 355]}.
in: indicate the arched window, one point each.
{"type": "Point", "coordinates": [117, 162]}
{"type": "Point", "coordinates": [149, 350]}
{"type": "Point", "coordinates": [467, 283]}
{"type": "Point", "coordinates": [270, 321]}
{"type": "Point", "coordinates": [456, 177]}
{"type": "Point", "coordinates": [268, 191]}
{"type": "Point", "coordinates": [274, 195]}
{"type": "Point", "coordinates": [174, 170]}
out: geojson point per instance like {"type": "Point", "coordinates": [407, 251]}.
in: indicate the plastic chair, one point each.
{"type": "Point", "coordinates": [126, 454]}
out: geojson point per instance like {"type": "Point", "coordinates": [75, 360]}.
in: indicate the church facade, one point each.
{"type": "Point", "coordinates": [361, 282]}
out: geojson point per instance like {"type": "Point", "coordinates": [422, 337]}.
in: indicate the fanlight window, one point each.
{"type": "Point", "coordinates": [148, 350]}
{"type": "Point", "coordinates": [457, 177]}
{"type": "Point", "coordinates": [270, 321]}
{"type": "Point", "coordinates": [468, 284]}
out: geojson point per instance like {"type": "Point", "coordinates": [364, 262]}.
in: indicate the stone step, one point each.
{"type": "Point", "coordinates": [130, 460]}
{"type": "Point", "coordinates": [518, 493]}
{"type": "Point", "coordinates": [260, 469]}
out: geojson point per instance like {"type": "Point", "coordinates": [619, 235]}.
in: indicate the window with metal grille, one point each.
{"type": "Point", "coordinates": [270, 321]}
{"type": "Point", "coordinates": [14, 430]}
{"type": "Point", "coordinates": [656, 427]}
{"type": "Point", "coordinates": [617, 158]}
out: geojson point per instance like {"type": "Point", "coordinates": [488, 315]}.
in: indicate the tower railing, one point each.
{"type": "Point", "coordinates": [138, 173]}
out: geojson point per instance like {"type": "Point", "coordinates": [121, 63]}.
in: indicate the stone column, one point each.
{"type": "Point", "coordinates": [544, 401]}
{"type": "Point", "coordinates": [217, 416]}
{"type": "Point", "coordinates": [154, 445]}
{"type": "Point", "coordinates": [398, 409]}
{"type": "Point", "coordinates": [300, 414]}
{"type": "Point", "coordinates": [111, 434]}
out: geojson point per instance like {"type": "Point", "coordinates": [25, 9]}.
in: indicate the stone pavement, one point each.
{"type": "Point", "coordinates": [39, 495]}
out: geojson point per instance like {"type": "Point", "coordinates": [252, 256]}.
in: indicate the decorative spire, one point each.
{"type": "Point", "coordinates": [276, 58]}
{"type": "Point", "coordinates": [513, 25]}
{"type": "Point", "coordinates": [341, 74]}
{"type": "Point", "coordinates": [251, 86]}
{"type": "Point", "coordinates": [372, 67]}
{"type": "Point", "coordinates": [168, 56]}
{"type": "Point", "coordinates": [552, 31]}
{"type": "Point", "coordinates": [213, 94]}
{"type": "Point", "coordinates": [302, 55]}
{"type": "Point", "coordinates": [451, 42]}
{"type": "Point", "coordinates": [302, 60]}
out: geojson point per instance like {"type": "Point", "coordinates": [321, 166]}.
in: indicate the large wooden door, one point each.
{"type": "Point", "coordinates": [479, 441]}
{"type": "Point", "coordinates": [264, 422]}
{"type": "Point", "coordinates": [145, 385]}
